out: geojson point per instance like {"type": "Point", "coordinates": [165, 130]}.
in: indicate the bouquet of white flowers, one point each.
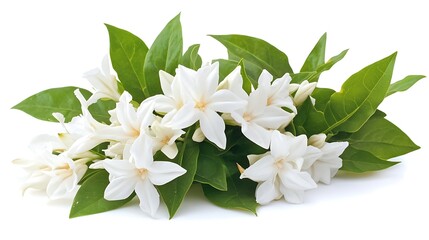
{"type": "Point", "coordinates": [247, 129]}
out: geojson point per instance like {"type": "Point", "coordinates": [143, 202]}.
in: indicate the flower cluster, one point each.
{"type": "Point", "coordinates": [236, 128]}
{"type": "Point", "coordinates": [190, 100]}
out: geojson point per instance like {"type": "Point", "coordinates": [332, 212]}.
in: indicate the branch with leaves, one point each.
{"type": "Point", "coordinates": [247, 129]}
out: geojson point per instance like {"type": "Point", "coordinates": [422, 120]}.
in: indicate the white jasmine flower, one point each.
{"type": "Point", "coordinates": [277, 91]}
{"type": "Point", "coordinates": [279, 171]}
{"type": "Point", "coordinates": [201, 101]}
{"type": "Point", "coordinates": [104, 83]}
{"type": "Point", "coordinates": [165, 138]}
{"type": "Point", "coordinates": [138, 172]}
{"type": "Point", "coordinates": [88, 132]}
{"type": "Point", "coordinates": [303, 91]}
{"type": "Point", "coordinates": [257, 120]}
{"type": "Point", "coordinates": [57, 174]}
{"type": "Point", "coordinates": [327, 165]}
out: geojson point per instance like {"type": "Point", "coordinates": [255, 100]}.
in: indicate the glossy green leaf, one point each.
{"type": "Point", "coordinates": [191, 59]}
{"type": "Point", "coordinates": [328, 65]}
{"type": "Point", "coordinates": [300, 77]}
{"type": "Point", "coordinates": [175, 191]}
{"type": "Point", "coordinates": [359, 97]}
{"type": "Point", "coordinates": [382, 138]}
{"type": "Point", "coordinates": [316, 56]}
{"type": "Point", "coordinates": [41, 105]}
{"type": "Point", "coordinates": [247, 82]}
{"type": "Point", "coordinates": [240, 193]}
{"type": "Point", "coordinates": [127, 53]}
{"type": "Point", "coordinates": [211, 169]}
{"type": "Point", "coordinates": [257, 54]}
{"type": "Point", "coordinates": [225, 67]}
{"type": "Point", "coordinates": [404, 84]}
{"type": "Point", "coordinates": [360, 161]}
{"type": "Point", "coordinates": [164, 54]}
{"type": "Point", "coordinates": [100, 110]}
{"type": "Point", "coordinates": [322, 97]}
{"type": "Point", "coordinates": [309, 120]}
{"type": "Point", "coordinates": [90, 197]}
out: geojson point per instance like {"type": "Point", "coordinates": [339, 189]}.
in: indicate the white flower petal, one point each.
{"type": "Point", "coordinates": [186, 116]}
{"type": "Point", "coordinates": [234, 82]}
{"type": "Point", "coordinates": [120, 188]}
{"type": "Point", "coordinates": [273, 117]}
{"type": "Point", "coordinates": [265, 78]}
{"type": "Point", "coordinates": [213, 127]}
{"type": "Point", "coordinates": [261, 170]}
{"type": "Point", "coordinates": [225, 101]}
{"type": "Point", "coordinates": [120, 168]}
{"type": "Point", "coordinates": [292, 195]}
{"type": "Point", "coordinates": [297, 180]}
{"type": "Point", "coordinates": [299, 146]}
{"type": "Point", "coordinates": [255, 157]}
{"type": "Point", "coordinates": [59, 186]}
{"type": "Point", "coordinates": [310, 156]}
{"type": "Point", "coordinates": [149, 197]}
{"type": "Point", "coordinates": [162, 172]}
{"type": "Point", "coordinates": [257, 134]}
{"type": "Point", "coordinates": [257, 102]}
{"type": "Point", "coordinates": [170, 150]}
{"type": "Point", "coordinates": [142, 151]}
{"type": "Point", "coordinates": [321, 172]}
{"type": "Point", "coordinates": [145, 115]}
{"type": "Point", "coordinates": [279, 145]}
{"type": "Point", "coordinates": [166, 80]}
{"type": "Point", "coordinates": [267, 191]}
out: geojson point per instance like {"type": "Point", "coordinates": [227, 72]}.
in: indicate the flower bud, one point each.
{"type": "Point", "coordinates": [317, 140]}
{"type": "Point", "coordinates": [304, 90]}
{"type": "Point", "coordinates": [198, 135]}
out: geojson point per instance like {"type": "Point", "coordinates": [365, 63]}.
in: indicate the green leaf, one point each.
{"type": "Point", "coordinates": [328, 65]}
{"type": "Point", "coordinates": [225, 67]}
{"type": "Point", "coordinates": [257, 54]}
{"type": "Point", "coordinates": [247, 82]}
{"type": "Point", "coordinates": [240, 193]}
{"type": "Point", "coordinates": [300, 77]}
{"type": "Point", "coordinates": [191, 59]}
{"type": "Point", "coordinates": [309, 120]}
{"type": "Point", "coordinates": [100, 110]}
{"type": "Point", "coordinates": [175, 191]}
{"type": "Point", "coordinates": [127, 53]}
{"type": "Point", "coordinates": [382, 138]}
{"type": "Point", "coordinates": [316, 56]}
{"type": "Point", "coordinates": [164, 54]}
{"type": "Point", "coordinates": [41, 105]}
{"type": "Point", "coordinates": [90, 197]}
{"type": "Point", "coordinates": [404, 84]}
{"type": "Point", "coordinates": [360, 161]}
{"type": "Point", "coordinates": [211, 169]}
{"type": "Point", "coordinates": [88, 174]}
{"type": "Point", "coordinates": [322, 96]}
{"type": "Point", "coordinates": [359, 97]}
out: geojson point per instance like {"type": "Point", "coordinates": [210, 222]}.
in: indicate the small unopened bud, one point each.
{"type": "Point", "coordinates": [198, 135]}
{"type": "Point", "coordinates": [240, 168]}
{"type": "Point", "coordinates": [304, 90]}
{"type": "Point", "coordinates": [317, 140]}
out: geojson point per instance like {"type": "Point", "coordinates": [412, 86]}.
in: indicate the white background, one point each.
{"type": "Point", "coordinates": [45, 44]}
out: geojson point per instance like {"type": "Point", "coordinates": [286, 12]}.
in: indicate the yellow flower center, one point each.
{"type": "Point", "coordinates": [142, 172]}
{"type": "Point", "coordinates": [201, 105]}
{"type": "Point", "coordinates": [247, 117]}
